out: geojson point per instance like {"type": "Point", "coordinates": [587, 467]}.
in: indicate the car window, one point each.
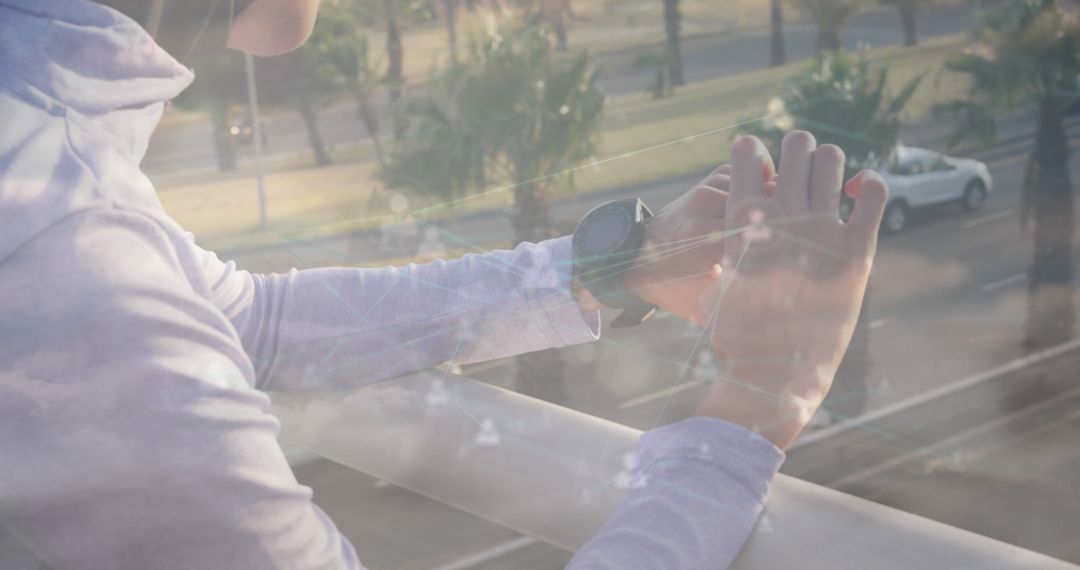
{"type": "Point", "coordinates": [940, 164]}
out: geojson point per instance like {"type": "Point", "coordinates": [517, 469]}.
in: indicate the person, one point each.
{"type": "Point", "coordinates": [134, 425]}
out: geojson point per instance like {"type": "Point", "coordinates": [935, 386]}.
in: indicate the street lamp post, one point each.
{"type": "Point", "coordinates": [256, 134]}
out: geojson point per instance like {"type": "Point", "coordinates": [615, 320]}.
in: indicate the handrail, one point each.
{"type": "Point", "coordinates": [558, 474]}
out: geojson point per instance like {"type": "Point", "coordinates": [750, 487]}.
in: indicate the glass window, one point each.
{"type": "Point", "coordinates": [420, 133]}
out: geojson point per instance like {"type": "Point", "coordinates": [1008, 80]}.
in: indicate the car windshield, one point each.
{"type": "Point", "coordinates": [406, 132]}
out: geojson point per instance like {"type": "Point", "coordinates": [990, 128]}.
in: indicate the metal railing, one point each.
{"type": "Point", "coordinates": [557, 475]}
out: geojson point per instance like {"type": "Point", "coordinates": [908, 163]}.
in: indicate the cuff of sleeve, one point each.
{"type": "Point", "coordinates": [555, 307]}
{"type": "Point", "coordinates": [713, 442]}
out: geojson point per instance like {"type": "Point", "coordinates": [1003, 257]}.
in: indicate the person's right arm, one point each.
{"type": "Point", "coordinates": [782, 316]}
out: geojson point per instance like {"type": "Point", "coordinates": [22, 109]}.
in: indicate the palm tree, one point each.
{"type": "Point", "coordinates": [828, 16]}
{"type": "Point", "coordinates": [510, 114]}
{"type": "Point", "coordinates": [843, 102]}
{"type": "Point", "coordinates": [451, 25]}
{"type": "Point", "coordinates": [341, 44]}
{"type": "Point", "coordinates": [551, 13]}
{"type": "Point", "coordinates": [310, 91]}
{"type": "Point", "coordinates": [305, 80]}
{"type": "Point", "coordinates": [673, 32]}
{"type": "Point", "coordinates": [218, 86]}
{"type": "Point", "coordinates": [907, 9]}
{"type": "Point", "coordinates": [656, 62]}
{"type": "Point", "coordinates": [1031, 60]}
{"type": "Point", "coordinates": [776, 21]}
{"type": "Point", "coordinates": [391, 14]}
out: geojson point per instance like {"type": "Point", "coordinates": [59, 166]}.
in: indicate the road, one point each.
{"type": "Point", "coordinates": [948, 302]}
{"type": "Point", "coordinates": [186, 147]}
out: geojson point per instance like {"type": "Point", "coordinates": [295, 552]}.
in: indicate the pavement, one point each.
{"type": "Point", "coordinates": [187, 147]}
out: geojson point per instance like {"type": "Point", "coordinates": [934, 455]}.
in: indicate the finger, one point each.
{"type": "Point", "coordinates": [870, 193]}
{"type": "Point", "coordinates": [827, 180]}
{"type": "Point", "coordinates": [707, 202]}
{"type": "Point", "coordinates": [793, 182]}
{"type": "Point", "coordinates": [768, 169]}
{"type": "Point", "coordinates": [749, 163]}
{"type": "Point", "coordinates": [770, 188]}
{"type": "Point", "coordinates": [719, 181]}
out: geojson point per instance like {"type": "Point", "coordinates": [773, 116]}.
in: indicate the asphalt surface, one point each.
{"type": "Point", "coordinates": [187, 147]}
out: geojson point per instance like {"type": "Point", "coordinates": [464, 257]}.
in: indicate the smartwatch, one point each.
{"type": "Point", "coordinates": [605, 244]}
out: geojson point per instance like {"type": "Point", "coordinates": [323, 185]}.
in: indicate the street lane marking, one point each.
{"type": "Point", "coordinates": [996, 216]}
{"type": "Point", "coordinates": [951, 441]}
{"type": "Point", "coordinates": [940, 392]}
{"type": "Point", "coordinates": [877, 324]}
{"type": "Point", "coordinates": [490, 554]}
{"type": "Point", "coordinates": [1002, 163]}
{"type": "Point", "coordinates": [1002, 283]}
{"type": "Point", "coordinates": [652, 396]}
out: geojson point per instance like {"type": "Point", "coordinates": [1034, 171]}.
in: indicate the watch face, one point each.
{"type": "Point", "coordinates": [605, 231]}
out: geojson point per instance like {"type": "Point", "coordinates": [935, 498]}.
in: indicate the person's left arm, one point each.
{"type": "Point", "coordinates": [345, 327]}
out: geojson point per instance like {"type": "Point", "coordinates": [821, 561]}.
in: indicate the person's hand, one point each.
{"type": "Point", "coordinates": [682, 250]}
{"type": "Point", "coordinates": [793, 281]}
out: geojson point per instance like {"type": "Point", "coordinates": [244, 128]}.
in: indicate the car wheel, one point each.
{"type": "Point", "coordinates": [974, 195]}
{"type": "Point", "coordinates": [896, 217]}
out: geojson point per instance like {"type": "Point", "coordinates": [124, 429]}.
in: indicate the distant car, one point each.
{"type": "Point", "coordinates": [243, 133]}
{"type": "Point", "coordinates": [919, 177]}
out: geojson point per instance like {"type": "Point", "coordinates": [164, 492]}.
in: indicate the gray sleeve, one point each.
{"type": "Point", "coordinates": [344, 327]}
{"type": "Point", "coordinates": [132, 435]}
{"type": "Point", "coordinates": [699, 488]}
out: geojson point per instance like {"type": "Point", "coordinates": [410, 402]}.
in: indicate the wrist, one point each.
{"type": "Point", "coordinates": [585, 300]}
{"type": "Point", "coordinates": [776, 410]}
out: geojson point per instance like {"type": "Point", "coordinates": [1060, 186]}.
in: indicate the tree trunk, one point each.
{"type": "Point", "coordinates": [395, 71]}
{"type": "Point", "coordinates": [223, 143]}
{"type": "Point", "coordinates": [828, 38]}
{"type": "Point", "coordinates": [371, 124]}
{"type": "Point", "coordinates": [776, 18]}
{"type": "Point", "coordinates": [532, 214]}
{"type": "Point", "coordinates": [1051, 315]}
{"type": "Point", "coordinates": [311, 123]}
{"type": "Point", "coordinates": [451, 26]}
{"type": "Point", "coordinates": [395, 51]}
{"type": "Point", "coordinates": [538, 374]}
{"type": "Point", "coordinates": [907, 15]}
{"type": "Point", "coordinates": [562, 41]}
{"type": "Point", "coordinates": [673, 30]}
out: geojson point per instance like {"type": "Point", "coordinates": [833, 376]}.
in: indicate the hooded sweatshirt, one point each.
{"type": "Point", "coordinates": [135, 430]}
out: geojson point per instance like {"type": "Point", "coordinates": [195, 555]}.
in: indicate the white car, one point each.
{"type": "Point", "coordinates": [918, 177]}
